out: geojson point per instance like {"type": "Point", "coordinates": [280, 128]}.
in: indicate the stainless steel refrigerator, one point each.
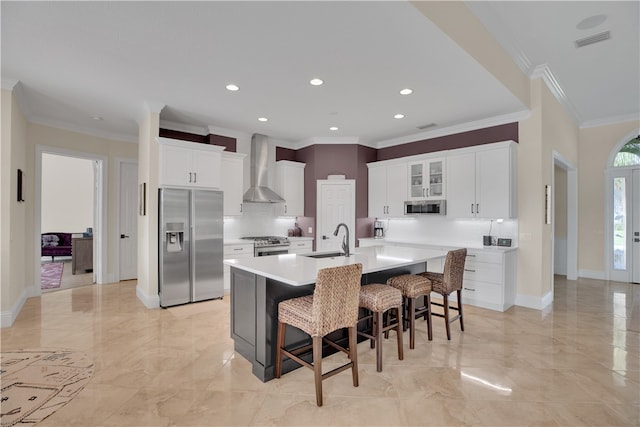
{"type": "Point", "coordinates": [190, 246]}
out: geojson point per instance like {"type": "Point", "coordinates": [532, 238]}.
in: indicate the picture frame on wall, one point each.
{"type": "Point", "coordinates": [20, 177]}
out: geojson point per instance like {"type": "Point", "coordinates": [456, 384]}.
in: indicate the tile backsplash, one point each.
{"type": "Point", "coordinates": [443, 230]}
{"type": "Point", "coordinates": [258, 219]}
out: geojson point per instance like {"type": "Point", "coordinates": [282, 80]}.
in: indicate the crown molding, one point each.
{"type": "Point", "coordinates": [458, 128]}
{"type": "Point", "coordinates": [9, 84]}
{"type": "Point", "coordinates": [148, 107]}
{"type": "Point", "coordinates": [544, 71]}
{"type": "Point", "coordinates": [634, 117]}
{"type": "Point", "coordinates": [84, 130]}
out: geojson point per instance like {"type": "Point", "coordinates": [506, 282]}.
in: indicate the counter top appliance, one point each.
{"type": "Point", "coordinates": [269, 245]}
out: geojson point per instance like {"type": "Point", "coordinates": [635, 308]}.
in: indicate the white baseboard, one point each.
{"type": "Point", "coordinates": [149, 301]}
{"type": "Point", "coordinates": [8, 317]}
{"type": "Point", "coordinates": [537, 303]}
{"type": "Point", "coordinates": [592, 274]}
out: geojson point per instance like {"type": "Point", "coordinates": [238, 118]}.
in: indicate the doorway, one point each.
{"type": "Point", "coordinates": [564, 245]}
{"type": "Point", "coordinates": [335, 204]}
{"type": "Point", "coordinates": [90, 237]}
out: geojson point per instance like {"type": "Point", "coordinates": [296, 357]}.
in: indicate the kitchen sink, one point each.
{"type": "Point", "coordinates": [325, 255]}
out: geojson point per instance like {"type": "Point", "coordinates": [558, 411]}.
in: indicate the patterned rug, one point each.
{"type": "Point", "coordinates": [36, 383]}
{"type": "Point", "coordinates": [51, 275]}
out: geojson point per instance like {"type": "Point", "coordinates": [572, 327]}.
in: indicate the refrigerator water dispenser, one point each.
{"type": "Point", "coordinates": [174, 236]}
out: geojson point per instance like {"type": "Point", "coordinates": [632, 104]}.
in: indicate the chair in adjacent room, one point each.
{"type": "Point", "coordinates": [333, 306]}
{"type": "Point", "coordinates": [412, 287]}
{"type": "Point", "coordinates": [378, 299]}
{"type": "Point", "coordinates": [446, 283]}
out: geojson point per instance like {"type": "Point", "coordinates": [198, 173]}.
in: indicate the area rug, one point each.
{"type": "Point", "coordinates": [51, 275]}
{"type": "Point", "coordinates": [36, 383]}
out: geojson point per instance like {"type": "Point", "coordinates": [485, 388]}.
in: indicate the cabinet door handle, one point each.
{"type": "Point", "coordinates": [285, 208]}
{"type": "Point", "coordinates": [477, 208]}
{"type": "Point", "coordinates": [190, 176]}
{"type": "Point", "coordinates": [423, 192]}
{"type": "Point", "coordinates": [472, 208]}
{"type": "Point", "coordinates": [195, 177]}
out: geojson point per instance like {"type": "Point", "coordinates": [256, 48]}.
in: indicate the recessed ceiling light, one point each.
{"type": "Point", "coordinates": [333, 128]}
{"type": "Point", "coordinates": [263, 119]}
{"type": "Point", "coordinates": [233, 87]}
{"type": "Point", "coordinates": [406, 91]}
{"type": "Point", "coordinates": [399, 116]}
{"type": "Point", "coordinates": [98, 118]}
{"type": "Point", "coordinates": [316, 82]}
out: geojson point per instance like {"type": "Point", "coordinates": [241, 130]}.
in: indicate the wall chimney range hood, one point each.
{"type": "Point", "coordinates": [259, 192]}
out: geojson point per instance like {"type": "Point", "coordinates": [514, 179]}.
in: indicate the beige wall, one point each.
{"type": "Point", "coordinates": [13, 248]}
{"type": "Point", "coordinates": [595, 146]}
{"type": "Point", "coordinates": [67, 194]}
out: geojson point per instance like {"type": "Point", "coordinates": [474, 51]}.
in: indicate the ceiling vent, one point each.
{"type": "Point", "coordinates": [430, 125]}
{"type": "Point", "coordinates": [600, 37]}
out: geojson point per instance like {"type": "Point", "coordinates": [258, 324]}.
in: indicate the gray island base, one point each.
{"type": "Point", "coordinates": [259, 284]}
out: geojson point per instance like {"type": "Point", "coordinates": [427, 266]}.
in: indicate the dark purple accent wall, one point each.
{"type": "Point", "coordinates": [224, 141]}
{"type": "Point", "coordinates": [465, 139]}
{"type": "Point", "coordinates": [183, 136]}
{"type": "Point", "coordinates": [285, 154]}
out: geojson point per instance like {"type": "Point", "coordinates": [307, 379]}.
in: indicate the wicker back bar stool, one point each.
{"type": "Point", "coordinates": [412, 287]}
{"type": "Point", "coordinates": [448, 282]}
{"type": "Point", "coordinates": [378, 299]}
{"type": "Point", "coordinates": [333, 306]}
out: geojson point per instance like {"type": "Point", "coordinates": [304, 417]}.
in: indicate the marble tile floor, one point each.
{"type": "Point", "coordinates": [574, 364]}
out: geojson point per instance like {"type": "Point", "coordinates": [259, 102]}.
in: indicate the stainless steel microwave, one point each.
{"type": "Point", "coordinates": [437, 207]}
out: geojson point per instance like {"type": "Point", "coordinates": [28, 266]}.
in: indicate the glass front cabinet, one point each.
{"type": "Point", "coordinates": [426, 179]}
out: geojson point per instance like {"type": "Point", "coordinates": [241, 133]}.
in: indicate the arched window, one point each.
{"type": "Point", "coordinates": [629, 154]}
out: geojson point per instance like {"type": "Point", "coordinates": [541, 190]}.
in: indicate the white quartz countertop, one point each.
{"type": "Point", "coordinates": [299, 238]}
{"type": "Point", "coordinates": [238, 242]}
{"type": "Point", "coordinates": [299, 270]}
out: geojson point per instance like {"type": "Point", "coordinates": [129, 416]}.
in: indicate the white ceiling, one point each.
{"type": "Point", "coordinates": [76, 60]}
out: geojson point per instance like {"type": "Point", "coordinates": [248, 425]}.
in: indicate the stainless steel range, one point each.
{"type": "Point", "coordinates": [269, 245]}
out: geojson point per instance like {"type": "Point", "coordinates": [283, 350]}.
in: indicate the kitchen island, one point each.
{"type": "Point", "coordinates": [259, 284]}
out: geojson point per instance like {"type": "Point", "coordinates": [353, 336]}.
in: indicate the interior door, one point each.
{"type": "Point", "coordinates": [128, 221]}
{"type": "Point", "coordinates": [635, 246]}
{"type": "Point", "coordinates": [335, 205]}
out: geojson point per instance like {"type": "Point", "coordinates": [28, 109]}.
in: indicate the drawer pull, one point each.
{"type": "Point", "coordinates": [472, 271]}
{"type": "Point", "coordinates": [469, 289]}
{"type": "Point", "coordinates": [237, 249]}
{"type": "Point", "coordinates": [471, 255]}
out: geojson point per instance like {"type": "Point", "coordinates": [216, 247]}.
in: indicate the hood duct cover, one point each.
{"type": "Point", "coordinates": [259, 192]}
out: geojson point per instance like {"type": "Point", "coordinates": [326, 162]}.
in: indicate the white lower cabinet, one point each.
{"type": "Point", "coordinates": [241, 250]}
{"type": "Point", "coordinates": [301, 246]}
{"type": "Point", "coordinates": [490, 279]}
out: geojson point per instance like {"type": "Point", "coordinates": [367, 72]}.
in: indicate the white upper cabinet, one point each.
{"type": "Point", "coordinates": [387, 189]}
{"type": "Point", "coordinates": [426, 179]}
{"type": "Point", "coordinates": [481, 182]}
{"type": "Point", "coordinates": [232, 182]}
{"type": "Point", "coordinates": [290, 186]}
{"type": "Point", "coordinates": [189, 164]}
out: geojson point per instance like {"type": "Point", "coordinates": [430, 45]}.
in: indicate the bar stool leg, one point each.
{"type": "Point", "coordinates": [317, 368]}
{"type": "Point", "coordinates": [378, 334]}
{"type": "Point", "coordinates": [399, 331]}
{"type": "Point", "coordinates": [353, 354]}
{"type": "Point", "coordinates": [460, 309]}
{"type": "Point", "coordinates": [412, 322]}
{"type": "Point", "coordinates": [446, 316]}
{"type": "Point", "coordinates": [374, 326]}
{"type": "Point", "coordinates": [427, 301]}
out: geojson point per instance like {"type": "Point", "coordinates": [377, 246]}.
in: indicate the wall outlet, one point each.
{"type": "Point", "coordinates": [310, 230]}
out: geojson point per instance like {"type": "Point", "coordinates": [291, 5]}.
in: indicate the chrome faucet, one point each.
{"type": "Point", "coordinates": [345, 239]}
